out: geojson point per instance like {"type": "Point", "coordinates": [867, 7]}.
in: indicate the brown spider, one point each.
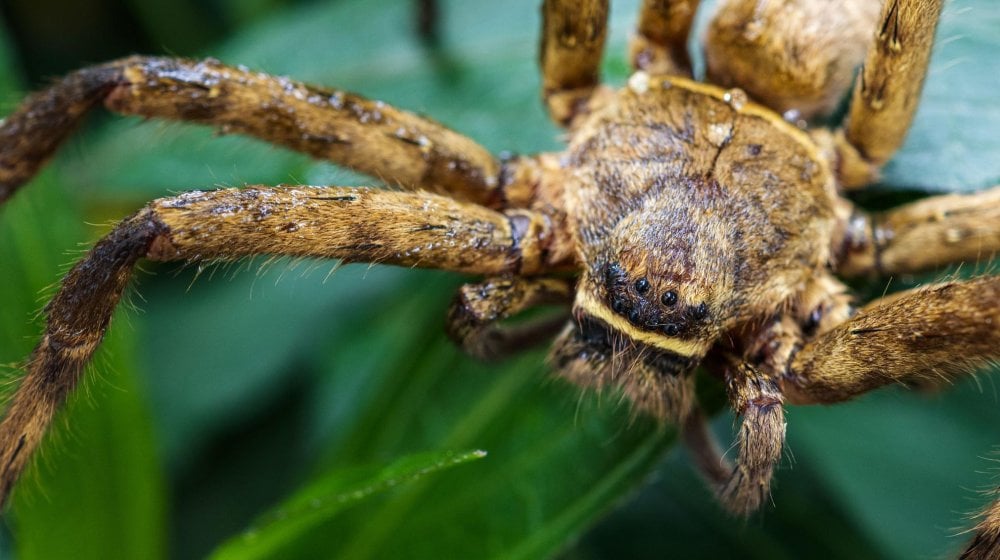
{"type": "Point", "coordinates": [686, 224]}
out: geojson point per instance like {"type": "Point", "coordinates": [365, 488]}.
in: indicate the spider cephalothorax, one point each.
{"type": "Point", "coordinates": [685, 224]}
{"type": "Point", "coordinates": [652, 172]}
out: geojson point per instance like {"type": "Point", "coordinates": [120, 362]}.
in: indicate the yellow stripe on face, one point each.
{"type": "Point", "coordinates": [687, 348]}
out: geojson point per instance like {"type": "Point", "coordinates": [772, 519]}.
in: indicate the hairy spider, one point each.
{"type": "Point", "coordinates": [686, 224]}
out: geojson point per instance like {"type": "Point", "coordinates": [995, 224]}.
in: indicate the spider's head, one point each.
{"type": "Point", "coordinates": [647, 312]}
{"type": "Point", "coordinates": [662, 277]}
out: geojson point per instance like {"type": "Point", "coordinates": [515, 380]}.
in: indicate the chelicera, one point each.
{"type": "Point", "coordinates": [686, 224]}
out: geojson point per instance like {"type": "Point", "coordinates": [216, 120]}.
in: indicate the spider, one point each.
{"type": "Point", "coordinates": [686, 224]}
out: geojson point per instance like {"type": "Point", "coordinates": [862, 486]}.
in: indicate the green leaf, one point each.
{"type": "Point", "coordinates": [328, 496]}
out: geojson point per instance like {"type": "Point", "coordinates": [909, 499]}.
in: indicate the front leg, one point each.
{"type": "Point", "coordinates": [351, 224]}
{"type": "Point", "coordinates": [756, 398]}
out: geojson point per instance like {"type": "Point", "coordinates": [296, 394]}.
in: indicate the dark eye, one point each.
{"type": "Point", "coordinates": [612, 273]}
{"type": "Point", "coordinates": [701, 311]}
{"type": "Point", "coordinates": [669, 298]}
{"type": "Point", "coordinates": [642, 285]}
{"type": "Point", "coordinates": [619, 305]}
{"type": "Point", "coordinates": [671, 329]}
{"type": "Point", "coordinates": [634, 316]}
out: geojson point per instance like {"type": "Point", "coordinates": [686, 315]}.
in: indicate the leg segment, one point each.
{"type": "Point", "coordinates": [478, 308]}
{"type": "Point", "coordinates": [934, 333]}
{"type": "Point", "coordinates": [933, 232]}
{"type": "Point", "coordinates": [428, 19]}
{"type": "Point", "coordinates": [573, 33]}
{"type": "Point", "coordinates": [368, 136]}
{"type": "Point", "coordinates": [758, 400]}
{"type": "Point", "coordinates": [704, 449]}
{"type": "Point", "coordinates": [888, 87]}
{"type": "Point", "coordinates": [660, 45]}
{"type": "Point", "coordinates": [351, 224]}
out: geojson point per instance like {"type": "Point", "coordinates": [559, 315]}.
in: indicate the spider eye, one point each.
{"type": "Point", "coordinates": [701, 311]}
{"type": "Point", "coordinates": [634, 316]}
{"type": "Point", "coordinates": [669, 298]}
{"type": "Point", "coordinates": [613, 274]}
{"type": "Point", "coordinates": [642, 285]}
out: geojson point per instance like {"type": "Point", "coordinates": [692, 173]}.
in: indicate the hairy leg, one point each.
{"type": "Point", "coordinates": [352, 224]}
{"type": "Point", "coordinates": [758, 400]}
{"type": "Point", "coordinates": [474, 316]}
{"type": "Point", "coordinates": [887, 90]}
{"type": "Point", "coordinates": [936, 332]}
{"type": "Point", "coordinates": [751, 375]}
{"type": "Point", "coordinates": [936, 231]}
{"type": "Point", "coordinates": [573, 34]}
{"type": "Point", "coordinates": [930, 334]}
{"type": "Point", "coordinates": [393, 145]}
{"type": "Point", "coordinates": [660, 43]}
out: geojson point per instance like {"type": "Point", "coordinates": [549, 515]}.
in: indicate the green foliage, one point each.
{"type": "Point", "coordinates": [270, 388]}
{"type": "Point", "coordinates": [280, 530]}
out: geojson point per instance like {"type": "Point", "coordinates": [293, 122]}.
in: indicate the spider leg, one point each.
{"type": "Point", "coordinates": [660, 43]}
{"type": "Point", "coordinates": [757, 398]}
{"type": "Point", "coordinates": [930, 334]}
{"type": "Point", "coordinates": [935, 332]}
{"type": "Point", "coordinates": [751, 376]}
{"type": "Point", "coordinates": [428, 21]}
{"type": "Point", "coordinates": [887, 89]}
{"type": "Point", "coordinates": [353, 224]}
{"type": "Point", "coordinates": [474, 316]}
{"type": "Point", "coordinates": [573, 34]}
{"type": "Point", "coordinates": [369, 136]}
{"type": "Point", "coordinates": [704, 449]}
{"type": "Point", "coordinates": [931, 232]}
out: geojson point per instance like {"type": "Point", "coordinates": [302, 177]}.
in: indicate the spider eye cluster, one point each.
{"type": "Point", "coordinates": [639, 302]}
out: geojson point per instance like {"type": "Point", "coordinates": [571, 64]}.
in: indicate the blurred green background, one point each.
{"type": "Point", "coordinates": [280, 413]}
